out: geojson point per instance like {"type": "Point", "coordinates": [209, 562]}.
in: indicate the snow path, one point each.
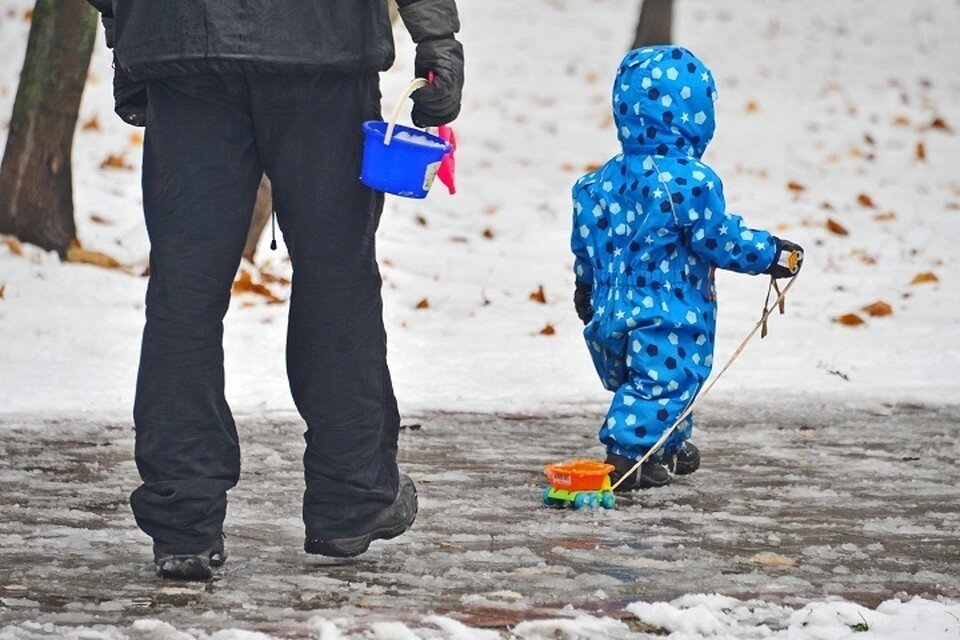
{"type": "Point", "coordinates": [793, 505]}
{"type": "Point", "coordinates": [834, 96]}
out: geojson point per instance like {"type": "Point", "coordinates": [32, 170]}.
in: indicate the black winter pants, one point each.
{"type": "Point", "coordinates": [208, 140]}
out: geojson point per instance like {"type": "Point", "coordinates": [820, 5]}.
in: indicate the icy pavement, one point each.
{"type": "Point", "coordinates": [795, 503]}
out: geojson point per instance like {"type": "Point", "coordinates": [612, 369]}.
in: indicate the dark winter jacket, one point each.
{"type": "Point", "coordinates": [168, 37]}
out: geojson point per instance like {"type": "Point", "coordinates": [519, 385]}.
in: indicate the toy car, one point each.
{"type": "Point", "coordinates": [579, 484]}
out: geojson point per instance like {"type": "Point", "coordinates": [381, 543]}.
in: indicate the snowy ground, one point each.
{"type": "Point", "coordinates": [834, 97]}
{"type": "Point", "coordinates": [791, 507]}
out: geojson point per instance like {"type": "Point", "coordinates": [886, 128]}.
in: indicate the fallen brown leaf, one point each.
{"type": "Point", "coordinates": [28, 15]}
{"type": "Point", "coordinates": [592, 167]}
{"type": "Point", "coordinates": [77, 254]}
{"type": "Point", "coordinates": [939, 123]}
{"type": "Point", "coordinates": [835, 227]}
{"type": "Point", "coordinates": [889, 215]}
{"type": "Point", "coordinates": [3, 290]}
{"type": "Point", "coordinates": [14, 245]}
{"type": "Point", "coordinates": [117, 161]}
{"type": "Point", "coordinates": [99, 219]}
{"type": "Point", "coordinates": [850, 320]}
{"type": "Point", "coordinates": [752, 106]}
{"type": "Point", "coordinates": [93, 124]}
{"type": "Point", "coordinates": [866, 201]}
{"type": "Point", "coordinates": [901, 121]}
{"type": "Point", "coordinates": [879, 309]}
{"type": "Point", "coordinates": [921, 151]}
{"type": "Point", "coordinates": [245, 284]}
{"type": "Point", "coordinates": [548, 330]}
{"type": "Point", "coordinates": [773, 560]}
{"type": "Point", "coordinates": [925, 276]}
{"type": "Point", "coordinates": [539, 295]}
{"type": "Point", "coordinates": [423, 304]}
{"type": "Point", "coordinates": [488, 234]}
{"type": "Point", "coordinates": [795, 186]}
{"type": "Point", "coordinates": [136, 139]}
{"type": "Point", "coordinates": [421, 221]}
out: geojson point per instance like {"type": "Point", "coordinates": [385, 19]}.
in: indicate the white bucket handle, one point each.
{"type": "Point", "coordinates": [416, 83]}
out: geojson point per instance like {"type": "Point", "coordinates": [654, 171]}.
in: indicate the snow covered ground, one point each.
{"type": "Point", "coordinates": [832, 96]}
{"type": "Point", "coordinates": [824, 110]}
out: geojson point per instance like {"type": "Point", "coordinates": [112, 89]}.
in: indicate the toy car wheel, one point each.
{"type": "Point", "coordinates": [608, 501]}
{"type": "Point", "coordinates": [547, 500]}
{"type": "Point", "coordinates": [580, 501]}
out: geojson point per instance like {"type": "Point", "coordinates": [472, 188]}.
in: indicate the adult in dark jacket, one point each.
{"type": "Point", "coordinates": [229, 90]}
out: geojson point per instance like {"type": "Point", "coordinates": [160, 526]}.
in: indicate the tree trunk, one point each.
{"type": "Point", "coordinates": [261, 218]}
{"type": "Point", "coordinates": [36, 183]}
{"type": "Point", "coordinates": [655, 25]}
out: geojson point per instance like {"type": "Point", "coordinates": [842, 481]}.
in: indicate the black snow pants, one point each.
{"type": "Point", "coordinates": [208, 140]}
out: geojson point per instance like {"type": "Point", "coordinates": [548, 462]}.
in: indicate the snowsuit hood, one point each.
{"type": "Point", "coordinates": [663, 102]}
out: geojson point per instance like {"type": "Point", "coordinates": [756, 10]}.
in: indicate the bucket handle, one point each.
{"type": "Point", "coordinates": [416, 83]}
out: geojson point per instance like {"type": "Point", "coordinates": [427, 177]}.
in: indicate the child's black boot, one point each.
{"type": "Point", "coordinates": [651, 474]}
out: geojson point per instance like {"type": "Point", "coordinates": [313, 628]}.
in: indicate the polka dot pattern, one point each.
{"type": "Point", "coordinates": [649, 227]}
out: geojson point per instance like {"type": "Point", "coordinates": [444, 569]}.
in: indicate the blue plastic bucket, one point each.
{"type": "Point", "coordinates": [405, 167]}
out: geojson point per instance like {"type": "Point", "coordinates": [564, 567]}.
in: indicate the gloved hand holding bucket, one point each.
{"type": "Point", "coordinates": [402, 160]}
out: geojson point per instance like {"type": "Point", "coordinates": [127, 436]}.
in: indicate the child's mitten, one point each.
{"type": "Point", "coordinates": [582, 303]}
{"type": "Point", "coordinates": [789, 260]}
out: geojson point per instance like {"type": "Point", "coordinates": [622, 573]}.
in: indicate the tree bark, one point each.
{"type": "Point", "coordinates": [655, 25]}
{"type": "Point", "coordinates": [261, 218]}
{"type": "Point", "coordinates": [36, 183]}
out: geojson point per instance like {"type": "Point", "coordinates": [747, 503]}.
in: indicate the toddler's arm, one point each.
{"type": "Point", "coordinates": [721, 237]}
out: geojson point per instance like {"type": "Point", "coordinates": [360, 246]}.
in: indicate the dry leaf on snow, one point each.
{"type": "Point", "coordinates": [99, 219]}
{"type": "Point", "coordinates": [93, 124]}
{"type": "Point", "coordinates": [866, 201]}
{"type": "Point", "coordinates": [115, 161]}
{"type": "Point", "coordinates": [245, 284]}
{"type": "Point", "coordinates": [835, 227]}
{"type": "Point", "coordinates": [850, 320]}
{"type": "Point", "coordinates": [539, 295]}
{"type": "Point", "coordinates": [921, 151]}
{"type": "Point", "coordinates": [423, 304]}
{"type": "Point", "coordinates": [488, 234]}
{"type": "Point", "coordinates": [925, 276]}
{"type": "Point", "coordinates": [77, 254]}
{"type": "Point", "coordinates": [14, 245]}
{"type": "Point", "coordinates": [939, 123]}
{"type": "Point", "coordinates": [548, 330]}
{"type": "Point", "coordinates": [3, 290]}
{"type": "Point", "coordinates": [795, 186]}
{"type": "Point", "coordinates": [878, 309]}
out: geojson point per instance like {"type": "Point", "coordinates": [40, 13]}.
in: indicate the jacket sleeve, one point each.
{"type": "Point", "coordinates": [721, 237]}
{"type": "Point", "coordinates": [583, 227]}
{"type": "Point", "coordinates": [105, 7]}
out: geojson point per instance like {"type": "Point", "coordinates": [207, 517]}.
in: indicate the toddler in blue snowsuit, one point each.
{"type": "Point", "coordinates": [649, 228]}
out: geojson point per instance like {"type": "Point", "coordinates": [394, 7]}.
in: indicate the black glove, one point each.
{"type": "Point", "coordinates": [788, 261]}
{"type": "Point", "coordinates": [432, 25]}
{"type": "Point", "coordinates": [582, 302]}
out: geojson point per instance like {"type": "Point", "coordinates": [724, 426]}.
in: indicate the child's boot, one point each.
{"type": "Point", "coordinates": [684, 461]}
{"type": "Point", "coordinates": [651, 474]}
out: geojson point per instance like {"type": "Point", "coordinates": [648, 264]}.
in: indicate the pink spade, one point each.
{"type": "Point", "coordinates": [448, 166]}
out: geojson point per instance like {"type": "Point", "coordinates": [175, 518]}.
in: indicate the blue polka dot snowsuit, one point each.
{"type": "Point", "coordinates": [649, 226]}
